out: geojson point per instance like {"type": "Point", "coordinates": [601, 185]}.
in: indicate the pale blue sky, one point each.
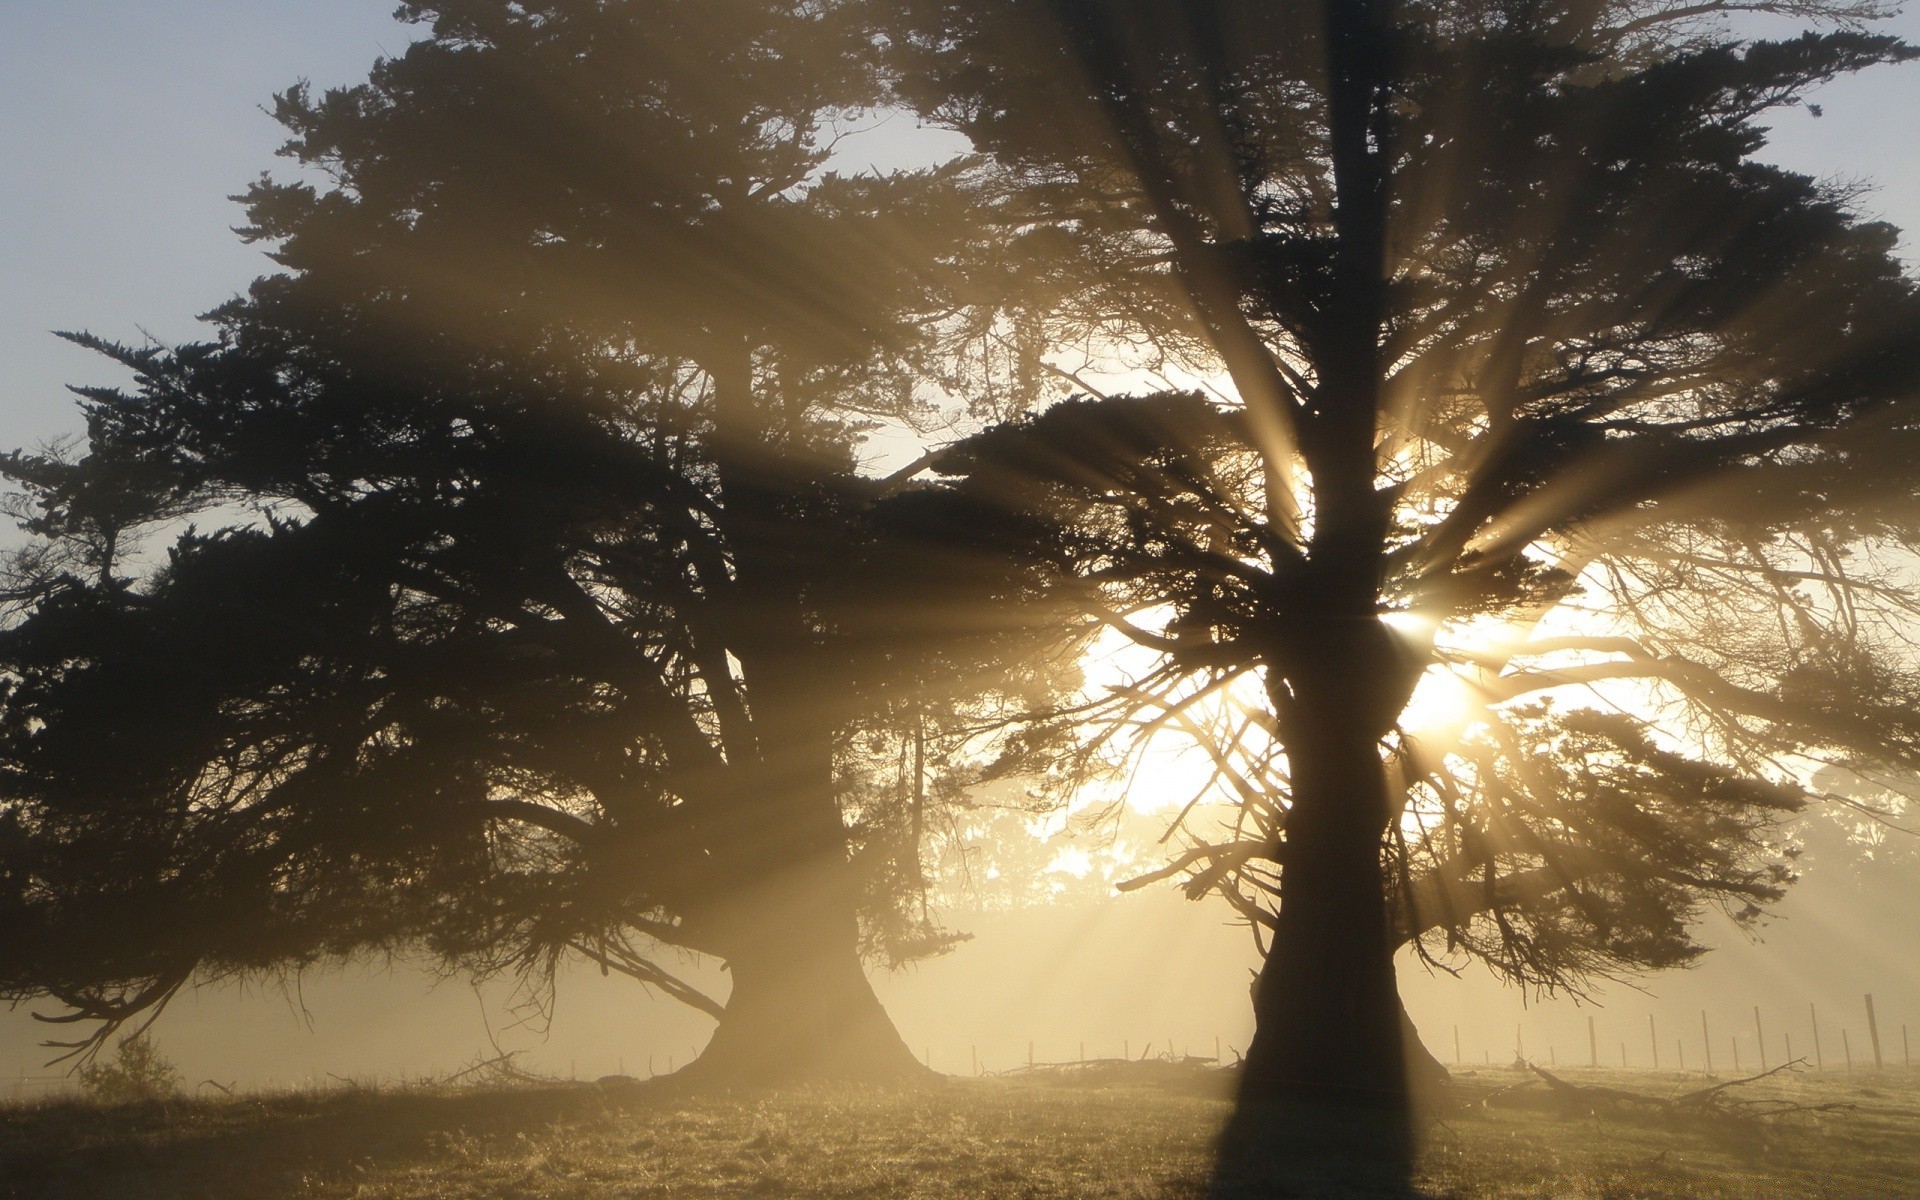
{"type": "Point", "coordinates": [124, 127]}
{"type": "Point", "coordinates": [126, 124]}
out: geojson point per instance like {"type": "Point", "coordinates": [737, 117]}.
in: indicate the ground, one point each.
{"type": "Point", "coordinates": [1122, 1134]}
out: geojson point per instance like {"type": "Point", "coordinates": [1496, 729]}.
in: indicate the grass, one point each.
{"type": "Point", "coordinates": [1035, 1138]}
{"type": "Point", "coordinates": [1523, 1145]}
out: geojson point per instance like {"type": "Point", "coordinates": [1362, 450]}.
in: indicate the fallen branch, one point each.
{"type": "Point", "coordinates": [1590, 1093]}
{"type": "Point", "coordinates": [1714, 1102]}
{"type": "Point", "coordinates": [1488, 1099]}
{"type": "Point", "coordinates": [1705, 1095]}
{"type": "Point", "coordinates": [489, 1071]}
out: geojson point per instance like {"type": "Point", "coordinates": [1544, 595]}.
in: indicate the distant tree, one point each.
{"type": "Point", "coordinates": [137, 1073]}
{"type": "Point", "coordinates": [545, 610]}
{"type": "Point", "coordinates": [1526, 371]}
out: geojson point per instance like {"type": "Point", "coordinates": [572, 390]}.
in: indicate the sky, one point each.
{"type": "Point", "coordinates": [125, 125]}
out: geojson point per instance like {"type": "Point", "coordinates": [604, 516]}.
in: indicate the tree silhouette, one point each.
{"type": "Point", "coordinates": [1527, 372]}
{"type": "Point", "coordinates": [545, 611]}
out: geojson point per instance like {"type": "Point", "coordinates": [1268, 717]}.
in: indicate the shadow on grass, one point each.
{"type": "Point", "coordinates": [273, 1145]}
{"type": "Point", "coordinates": [1022, 1136]}
{"type": "Point", "coordinates": [1271, 1151]}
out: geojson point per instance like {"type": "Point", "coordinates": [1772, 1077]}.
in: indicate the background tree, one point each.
{"type": "Point", "coordinates": [1526, 370]}
{"type": "Point", "coordinates": [546, 610]}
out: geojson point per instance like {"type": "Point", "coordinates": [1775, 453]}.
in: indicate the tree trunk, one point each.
{"type": "Point", "coordinates": [1324, 1099]}
{"type": "Point", "coordinates": [801, 1008]}
{"type": "Point", "coordinates": [1327, 1012]}
{"type": "Point", "coordinates": [1427, 1077]}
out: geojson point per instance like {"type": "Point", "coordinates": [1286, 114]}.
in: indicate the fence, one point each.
{"type": "Point", "coordinates": [33, 1087]}
{"type": "Point", "coordinates": [1769, 1044]}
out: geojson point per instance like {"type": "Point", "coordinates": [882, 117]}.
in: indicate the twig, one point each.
{"type": "Point", "coordinates": [1705, 1094]}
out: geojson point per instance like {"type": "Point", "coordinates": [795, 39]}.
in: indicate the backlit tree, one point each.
{"type": "Point", "coordinates": [1521, 369]}
{"type": "Point", "coordinates": [535, 605]}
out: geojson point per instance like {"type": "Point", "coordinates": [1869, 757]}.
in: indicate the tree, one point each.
{"type": "Point", "coordinates": [1525, 370]}
{"type": "Point", "coordinates": [138, 1074]}
{"type": "Point", "coordinates": [546, 610]}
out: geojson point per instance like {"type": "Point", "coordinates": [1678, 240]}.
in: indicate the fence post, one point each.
{"type": "Point", "coordinates": [1760, 1037]}
{"type": "Point", "coordinates": [1653, 1040]}
{"type": "Point", "coordinates": [1813, 1015]}
{"type": "Point", "coordinates": [1847, 1045]}
{"type": "Point", "coordinates": [1593, 1044]}
{"type": "Point", "coordinates": [1706, 1040]}
{"type": "Point", "coordinates": [1873, 1033]}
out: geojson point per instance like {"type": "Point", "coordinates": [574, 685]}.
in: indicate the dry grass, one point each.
{"type": "Point", "coordinates": [1522, 1145]}
{"type": "Point", "coordinates": [972, 1138]}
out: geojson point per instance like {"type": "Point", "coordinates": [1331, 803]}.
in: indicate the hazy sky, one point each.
{"type": "Point", "coordinates": [126, 124]}
{"type": "Point", "coordinates": [124, 127]}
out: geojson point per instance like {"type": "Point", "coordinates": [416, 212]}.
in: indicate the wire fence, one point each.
{"type": "Point", "coordinates": [1859, 1040]}
{"type": "Point", "coordinates": [35, 1087]}
{"type": "Point", "coordinates": [1866, 1040]}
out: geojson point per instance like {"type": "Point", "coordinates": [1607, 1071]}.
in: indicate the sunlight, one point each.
{"type": "Point", "coordinates": [1070, 860]}
{"type": "Point", "coordinates": [1442, 706]}
{"type": "Point", "coordinates": [1169, 774]}
{"type": "Point", "coordinates": [1166, 770]}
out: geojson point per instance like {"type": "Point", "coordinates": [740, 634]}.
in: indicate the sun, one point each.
{"type": "Point", "coordinates": [1443, 706]}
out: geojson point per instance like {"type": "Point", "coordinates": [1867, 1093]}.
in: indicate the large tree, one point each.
{"type": "Point", "coordinates": [1521, 365]}
{"type": "Point", "coordinates": [546, 610]}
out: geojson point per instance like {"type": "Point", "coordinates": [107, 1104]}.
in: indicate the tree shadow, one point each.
{"type": "Point", "coordinates": [270, 1146]}
{"type": "Point", "coordinates": [1274, 1149]}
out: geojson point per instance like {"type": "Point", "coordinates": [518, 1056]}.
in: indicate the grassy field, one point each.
{"type": "Point", "coordinates": [1030, 1138]}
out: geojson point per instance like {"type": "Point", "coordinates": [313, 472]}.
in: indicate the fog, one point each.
{"type": "Point", "coordinates": [1133, 974]}
{"type": "Point", "coordinates": [1144, 973]}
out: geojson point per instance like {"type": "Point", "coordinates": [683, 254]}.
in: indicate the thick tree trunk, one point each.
{"type": "Point", "coordinates": [1324, 1099]}
{"type": "Point", "coordinates": [1326, 1010]}
{"type": "Point", "coordinates": [801, 1008]}
{"type": "Point", "coordinates": [1427, 1077]}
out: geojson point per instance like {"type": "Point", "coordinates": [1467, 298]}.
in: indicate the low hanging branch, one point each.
{"type": "Point", "coordinates": [612, 957]}
{"type": "Point", "coordinates": [111, 1014]}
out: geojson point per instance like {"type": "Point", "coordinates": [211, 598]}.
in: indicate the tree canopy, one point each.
{"type": "Point", "coordinates": [544, 609]}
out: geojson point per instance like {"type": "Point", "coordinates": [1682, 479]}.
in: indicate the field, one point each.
{"type": "Point", "coordinates": [1031, 1137]}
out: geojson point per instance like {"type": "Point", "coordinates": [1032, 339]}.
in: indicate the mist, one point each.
{"type": "Point", "coordinates": [1161, 599]}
